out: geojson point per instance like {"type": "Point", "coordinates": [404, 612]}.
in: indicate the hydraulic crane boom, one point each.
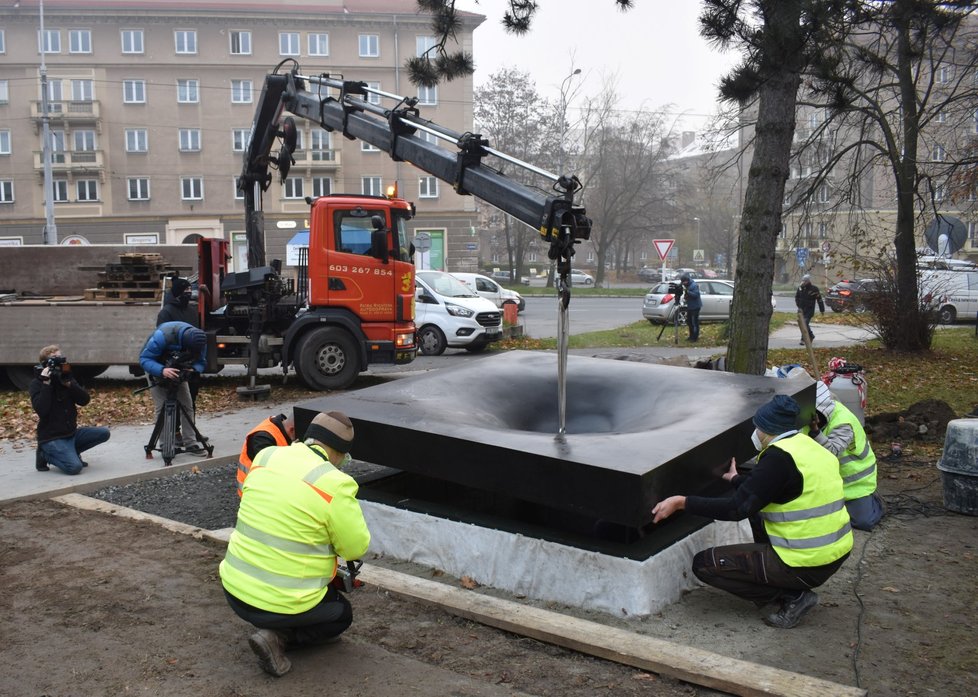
{"type": "Point", "coordinates": [395, 131]}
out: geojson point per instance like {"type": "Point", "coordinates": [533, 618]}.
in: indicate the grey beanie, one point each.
{"type": "Point", "coordinates": [778, 415]}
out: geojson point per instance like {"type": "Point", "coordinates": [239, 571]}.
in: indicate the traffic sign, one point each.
{"type": "Point", "coordinates": [662, 247]}
{"type": "Point", "coordinates": [801, 253]}
{"type": "Point", "coordinates": [826, 247]}
{"type": "Point", "coordinates": [422, 242]}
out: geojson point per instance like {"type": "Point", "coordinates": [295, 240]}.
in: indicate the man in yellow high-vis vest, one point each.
{"type": "Point", "coordinates": [298, 513]}
{"type": "Point", "coordinates": [794, 501]}
{"type": "Point", "coordinates": [838, 430]}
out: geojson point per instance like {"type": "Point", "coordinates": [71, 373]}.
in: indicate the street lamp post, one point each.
{"type": "Point", "coordinates": [50, 227]}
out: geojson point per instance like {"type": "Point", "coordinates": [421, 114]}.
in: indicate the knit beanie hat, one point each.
{"type": "Point", "coordinates": [824, 401]}
{"type": "Point", "coordinates": [778, 415]}
{"type": "Point", "coordinates": [179, 286]}
{"type": "Point", "coordinates": [195, 339]}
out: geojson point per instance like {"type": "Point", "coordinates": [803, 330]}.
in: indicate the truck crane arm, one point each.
{"type": "Point", "coordinates": [343, 106]}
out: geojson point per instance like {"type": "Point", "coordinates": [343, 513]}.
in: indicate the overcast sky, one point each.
{"type": "Point", "coordinates": [654, 48]}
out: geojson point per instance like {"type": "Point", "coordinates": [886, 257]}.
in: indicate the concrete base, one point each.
{"type": "Point", "coordinates": [544, 570]}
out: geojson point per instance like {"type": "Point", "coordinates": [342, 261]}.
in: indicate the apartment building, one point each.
{"type": "Point", "coordinates": [150, 106]}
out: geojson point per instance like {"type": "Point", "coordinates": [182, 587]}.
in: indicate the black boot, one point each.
{"type": "Point", "coordinates": [39, 462]}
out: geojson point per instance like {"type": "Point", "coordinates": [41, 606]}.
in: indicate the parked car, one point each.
{"type": "Point", "coordinates": [502, 276]}
{"type": "Point", "coordinates": [855, 296]}
{"type": "Point", "coordinates": [651, 274]}
{"type": "Point", "coordinates": [952, 294]}
{"type": "Point", "coordinates": [659, 305]}
{"type": "Point", "coordinates": [490, 290]}
{"type": "Point", "coordinates": [579, 278]}
{"type": "Point", "coordinates": [448, 313]}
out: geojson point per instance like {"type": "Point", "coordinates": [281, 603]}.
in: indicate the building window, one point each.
{"type": "Point", "coordinates": [189, 140]}
{"type": "Point", "coordinates": [138, 188]}
{"type": "Point", "coordinates": [86, 190]}
{"type": "Point", "coordinates": [369, 46]}
{"type": "Point", "coordinates": [823, 231]}
{"type": "Point", "coordinates": [319, 44]}
{"type": "Point", "coordinates": [191, 188]}
{"type": "Point", "coordinates": [134, 91]}
{"type": "Point", "coordinates": [288, 43]}
{"type": "Point", "coordinates": [5, 141]}
{"type": "Point", "coordinates": [823, 193]}
{"type": "Point", "coordinates": [320, 146]}
{"type": "Point", "coordinates": [427, 187]}
{"type": "Point", "coordinates": [59, 190]}
{"type": "Point", "coordinates": [370, 186]}
{"type": "Point", "coordinates": [137, 140]}
{"type": "Point", "coordinates": [6, 191]}
{"type": "Point", "coordinates": [188, 91]}
{"type": "Point", "coordinates": [58, 146]}
{"type": "Point", "coordinates": [54, 96]}
{"type": "Point", "coordinates": [82, 90]}
{"type": "Point", "coordinates": [132, 40]}
{"type": "Point", "coordinates": [423, 44]}
{"type": "Point", "coordinates": [241, 43]}
{"type": "Point", "coordinates": [942, 116]}
{"type": "Point", "coordinates": [784, 231]}
{"type": "Point", "coordinates": [238, 193]}
{"type": "Point", "coordinates": [292, 188]}
{"type": "Point", "coordinates": [186, 41]}
{"type": "Point", "coordinates": [371, 97]}
{"type": "Point", "coordinates": [84, 141]}
{"type": "Point", "coordinates": [322, 186]}
{"type": "Point", "coordinates": [940, 193]}
{"type": "Point", "coordinates": [241, 91]}
{"type": "Point", "coordinates": [240, 138]}
{"type": "Point", "coordinates": [938, 154]}
{"type": "Point", "coordinates": [49, 42]}
{"type": "Point", "coordinates": [4, 92]}
{"type": "Point", "coordinates": [806, 234]}
{"type": "Point", "coordinates": [944, 74]}
{"type": "Point", "coordinates": [367, 147]}
{"type": "Point", "coordinates": [3, 42]}
{"type": "Point", "coordinates": [427, 95]}
{"type": "Point", "coordinates": [973, 234]}
{"type": "Point", "coordinates": [79, 41]}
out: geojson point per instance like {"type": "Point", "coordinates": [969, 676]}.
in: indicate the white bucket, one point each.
{"type": "Point", "coordinates": [848, 392]}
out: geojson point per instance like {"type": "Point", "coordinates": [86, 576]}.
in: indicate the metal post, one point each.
{"type": "Point", "coordinates": [50, 227]}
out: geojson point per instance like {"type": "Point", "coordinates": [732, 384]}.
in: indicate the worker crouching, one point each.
{"type": "Point", "coordinates": [298, 513]}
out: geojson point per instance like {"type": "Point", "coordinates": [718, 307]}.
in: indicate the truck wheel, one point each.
{"type": "Point", "coordinates": [20, 376]}
{"type": "Point", "coordinates": [431, 340]}
{"type": "Point", "coordinates": [327, 359]}
{"type": "Point", "coordinates": [947, 316]}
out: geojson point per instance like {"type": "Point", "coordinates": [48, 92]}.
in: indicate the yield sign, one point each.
{"type": "Point", "coordinates": [663, 247]}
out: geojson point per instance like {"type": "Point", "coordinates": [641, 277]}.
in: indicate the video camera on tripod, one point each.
{"type": "Point", "coordinates": [182, 361]}
{"type": "Point", "coordinates": [679, 290]}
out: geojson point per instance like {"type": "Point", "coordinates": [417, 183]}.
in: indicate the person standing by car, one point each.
{"type": "Point", "coordinates": [56, 396]}
{"type": "Point", "coordinates": [838, 430]}
{"type": "Point", "coordinates": [694, 303]}
{"type": "Point", "coordinates": [793, 499]}
{"type": "Point", "coordinates": [806, 298]}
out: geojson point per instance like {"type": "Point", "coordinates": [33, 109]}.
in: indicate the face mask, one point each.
{"type": "Point", "coordinates": [755, 438]}
{"type": "Point", "coordinates": [183, 300]}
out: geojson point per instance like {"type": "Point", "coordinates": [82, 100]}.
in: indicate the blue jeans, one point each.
{"type": "Point", "coordinates": [64, 453]}
{"type": "Point", "coordinates": [693, 317]}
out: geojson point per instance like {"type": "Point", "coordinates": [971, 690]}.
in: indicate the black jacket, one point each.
{"type": "Point", "coordinates": [172, 312]}
{"type": "Point", "coordinates": [807, 295]}
{"type": "Point", "coordinates": [55, 404]}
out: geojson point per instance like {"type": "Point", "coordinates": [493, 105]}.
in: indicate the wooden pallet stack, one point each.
{"type": "Point", "coordinates": [138, 277]}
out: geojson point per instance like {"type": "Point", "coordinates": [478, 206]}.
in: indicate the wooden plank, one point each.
{"type": "Point", "coordinates": [685, 663]}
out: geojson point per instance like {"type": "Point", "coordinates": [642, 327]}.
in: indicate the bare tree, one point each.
{"type": "Point", "coordinates": [511, 114]}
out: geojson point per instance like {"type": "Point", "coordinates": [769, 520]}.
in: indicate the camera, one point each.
{"type": "Point", "coordinates": [58, 365]}
{"type": "Point", "coordinates": [678, 290]}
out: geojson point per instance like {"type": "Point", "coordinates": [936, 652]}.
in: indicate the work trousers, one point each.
{"type": "Point", "coordinates": [865, 512]}
{"type": "Point", "coordinates": [330, 618]}
{"type": "Point", "coordinates": [755, 571]}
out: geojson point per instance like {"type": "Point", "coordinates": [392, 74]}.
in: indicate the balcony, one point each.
{"type": "Point", "coordinates": [67, 112]}
{"type": "Point", "coordinates": [317, 159]}
{"type": "Point", "coordinates": [73, 162]}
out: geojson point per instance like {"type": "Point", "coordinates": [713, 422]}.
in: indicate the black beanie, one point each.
{"type": "Point", "coordinates": [179, 286]}
{"type": "Point", "coordinates": [195, 340]}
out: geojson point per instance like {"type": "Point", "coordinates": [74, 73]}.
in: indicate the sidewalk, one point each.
{"type": "Point", "coordinates": [123, 457]}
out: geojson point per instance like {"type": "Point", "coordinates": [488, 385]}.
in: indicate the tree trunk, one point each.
{"type": "Point", "coordinates": [750, 314]}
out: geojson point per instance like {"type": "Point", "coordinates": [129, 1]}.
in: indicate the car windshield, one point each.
{"type": "Point", "coordinates": [445, 284]}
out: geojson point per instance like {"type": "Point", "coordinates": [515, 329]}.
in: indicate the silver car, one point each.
{"type": "Point", "coordinates": [660, 305]}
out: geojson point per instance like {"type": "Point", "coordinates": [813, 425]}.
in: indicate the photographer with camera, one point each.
{"type": "Point", "coordinates": [56, 396]}
{"type": "Point", "coordinates": [171, 355]}
{"type": "Point", "coordinates": [298, 513]}
{"type": "Point", "coordinates": [694, 303]}
{"type": "Point", "coordinates": [179, 306]}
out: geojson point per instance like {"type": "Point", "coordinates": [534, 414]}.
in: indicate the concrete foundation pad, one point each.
{"type": "Point", "coordinates": [544, 570]}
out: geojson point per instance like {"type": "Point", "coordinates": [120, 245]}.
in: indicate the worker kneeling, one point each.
{"type": "Point", "coordinates": [298, 513]}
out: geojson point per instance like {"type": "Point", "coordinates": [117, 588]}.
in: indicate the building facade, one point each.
{"type": "Point", "coordinates": [150, 106]}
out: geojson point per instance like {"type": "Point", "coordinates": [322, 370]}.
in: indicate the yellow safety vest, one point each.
{"type": "Point", "coordinates": [813, 529]}
{"type": "Point", "coordinates": [857, 463]}
{"type": "Point", "coordinates": [297, 513]}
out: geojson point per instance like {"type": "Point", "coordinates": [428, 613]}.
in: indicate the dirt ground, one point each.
{"type": "Point", "coordinates": [97, 605]}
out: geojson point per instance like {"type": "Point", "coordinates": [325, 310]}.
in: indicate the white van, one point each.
{"type": "Point", "coordinates": [448, 313]}
{"type": "Point", "coordinates": [952, 294]}
{"type": "Point", "coordinates": [490, 290]}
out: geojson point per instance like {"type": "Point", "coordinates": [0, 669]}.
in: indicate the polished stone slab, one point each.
{"type": "Point", "coordinates": [636, 432]}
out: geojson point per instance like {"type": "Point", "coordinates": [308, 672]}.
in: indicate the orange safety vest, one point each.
{"type": "Point", "coordinates": [244, 462]}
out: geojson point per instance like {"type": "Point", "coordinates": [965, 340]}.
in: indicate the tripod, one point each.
{"type": "Point", "coordinates": [165, 430]}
